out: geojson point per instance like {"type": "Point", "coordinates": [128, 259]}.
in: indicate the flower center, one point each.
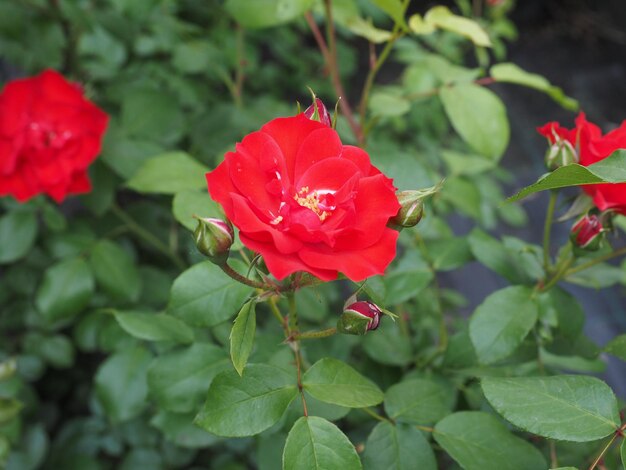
{"type": "Point", "coordinates": [322, 202]}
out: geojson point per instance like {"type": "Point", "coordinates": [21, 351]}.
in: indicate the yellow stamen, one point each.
{"type": "Point", "coordinates": [311, 201]}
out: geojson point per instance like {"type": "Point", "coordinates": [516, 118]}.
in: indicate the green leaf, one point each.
{"type": "Point", "coordinates": [394, 8]}
{"type": "Point", "coordinates": [622, 453]}
{"type": "Point", "coordinates": [617, 347]}
{"type": "Point", "coordinates": [244, 406]}
{"type": "Point", "coordinates": [242, 335]}
{"type": "Point", "coordinates": [500, 324]}
{"type": "Point", "coordinates": [466, 164]}
{"type": "Point", "coordinates": [443, 18]}
{"type": "Point", "coordinates": [511, 73]}
{"type": "Point", "coordinates": [567, 407]}
{"type": "Point", "coordinates": [66, 290]}
{"type": "Point", "coordinates": [419, 401]}
{"type": "Point", "coordinates": [204, 296]}
{"type": "Point", "coordinates": [610, 170]}
{"type": "Point", "coordinates": [9, 409]}
{"type": "Point", "coordinates": [387, 104]}
{"type": "Point", "coordinates": [418, 26]}
{"type": "Point", "coordinates": [562, 308]}
{"type": "Point", "coordinates": [333, 381]}
{"type": "Point", "coordinates": [186, 204]}
{"type": "Point", "coordinates": [479, 117]}
{"type": "Point", "coordinates": [115, 271]}
{"type": "Point", "coordinates": [407, 279]}
{"type": "Point", "coordinates": [480, 441]}
{"type": "Point", "coordinates": [493, 254]}
{"type": "Point", "coordinates": [178, 380]}
{"type": "Point", "coordinates": [179, 429]}
{"type": "Point", "coordinates": [121, 384]}
{"type": "Point", "coordinates": [18, 230]}
{"type": "Point", "coordinates": [169, 173]}
{"type": "Point", "coordinates": [399, 447]}
{"type": "Point", "coordinates": [154, 326]}
{"type": "Point", "coordinates": [316, 444]}
{"type": "Point", "coordinates": [266, 13]}
{"type": "Point", "coordinates": [388, 345]}
{"type": "Point", "coordinates": [365, 29]}
{"type": "Point", "coordinates": [152, 114]}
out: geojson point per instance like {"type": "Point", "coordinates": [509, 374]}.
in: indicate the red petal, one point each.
{"type": "Point", "coordinates": [357, 265]}
{"type": "Point", "coordinates": [317, 146]}
{"type": "Point", "coordinates": [249, 223]}
{"type": "Point", "coordinates": [374, 204]}
{"type": "Point", "coordinates": [282, 265]}
{"type": "Point", "coordinates": [330, 174]}
{"type": "Point", "coordinates": [359, 157]}
{"type": "Point", "coordinates": [289, 133]}
{"type": "Point", "coordinates": [220, 186]}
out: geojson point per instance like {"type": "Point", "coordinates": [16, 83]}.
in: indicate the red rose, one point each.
{"type": "Point", "coordinates": [306, 202]}
{"type": "Point", "coordinates": [592, 147]}
{"type": "Point", "coordinates": [49, 134]}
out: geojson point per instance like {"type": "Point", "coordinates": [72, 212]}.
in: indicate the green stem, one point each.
{"type": "Point", "coordinates": [371, 76]}
{"type": "Point", "coordinates": [244, 280]}
{"type": "Point", "coordinates": [317, 334]}
{"type": "Point", "coordinates": [606, 447]}
{"type": "Point", "coordinates": [330, 57]}
{"type": "Point", "coordinates": [375, 415]}
{"type": "Point", "coordinates": [547, 229]}
{"type": "Point", "coordinates": [278, 315]}
{"type": "Point", "coordinates": [593, 262]}
{"type": "Point", "coordinates": [560, 274]}
{"type": "Point", "coordinates": [424, 428]}
{"type": "Point", "coordinates": [148, 236]}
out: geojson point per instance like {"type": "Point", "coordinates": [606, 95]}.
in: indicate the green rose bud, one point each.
{"type": "Point", "coordinates": [560, 153]}
{"type": "Point", "coordinates": [214, 238]}
{"type": "Point", "coordinates": [411, 209]}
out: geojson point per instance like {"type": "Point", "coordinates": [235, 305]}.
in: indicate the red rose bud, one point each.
{"type": "Point", "coordinates": [587, 233]}
{"type": "Point", "coordinates": [214, 238]}
{"type": "Point", "coordinates": [318, 112]}
{"type": "Point", "coordinates": [560, 153]}
{"type": "Point", "coordinates": [358, 318]}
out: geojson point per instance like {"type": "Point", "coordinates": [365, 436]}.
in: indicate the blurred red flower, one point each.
{"type": "Point", "coordinates": [49, 134]}
{"type": "Point", "coordinates": [591, 147]}
{"type": "Point", "coordinates": [306, 202]}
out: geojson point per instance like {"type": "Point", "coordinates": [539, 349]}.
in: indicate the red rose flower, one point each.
{"type": "Point", "coordinates": [49, 134]}
{"type": "Point", "coordinates": [592, 147]}
{"type": "Point", "coordinates": [306, 202]}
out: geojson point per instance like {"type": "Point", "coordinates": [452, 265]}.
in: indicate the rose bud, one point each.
{"type": "Point", "coordinates": [587, 233]}
{"type": "Point", "coordinates": [358, 318]}
{"type": "Point", "coordinates": [560, 153]}
{"type": "Point", "coordinates": [214, 238]}
{"type": "Point", "coordinates": [318, 112]}
{"type": "Point", "coordinates": [411, 209]}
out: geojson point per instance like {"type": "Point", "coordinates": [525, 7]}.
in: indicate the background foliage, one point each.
{"type": "Point", "coordinates": [116, 334]}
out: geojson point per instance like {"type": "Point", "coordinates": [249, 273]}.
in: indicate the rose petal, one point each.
{"type": "Point", "coordinates": [317, 146]}
{"type": "Point", "coordinates": [282, 265]}
{"type": "Point", "coordinates": [289, 133]}
{"type": "Point", "coordinates": [357, 265]}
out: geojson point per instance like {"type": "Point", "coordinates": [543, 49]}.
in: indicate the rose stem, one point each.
{"type": "Point", "coordinates": [295, 344]}
{"type": "Point", "coordinates": [547, 229]}
{"type": "Point", "coordinates": [244, 280]}
{"type": "Point", "coordinates": [330, 57]}
{"type": "Point", "coordinates": [375, 415]}
{"type": "Point", "coordinates": [317, 334]}
{"type": "Point", "coordinates": [147, 236]}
